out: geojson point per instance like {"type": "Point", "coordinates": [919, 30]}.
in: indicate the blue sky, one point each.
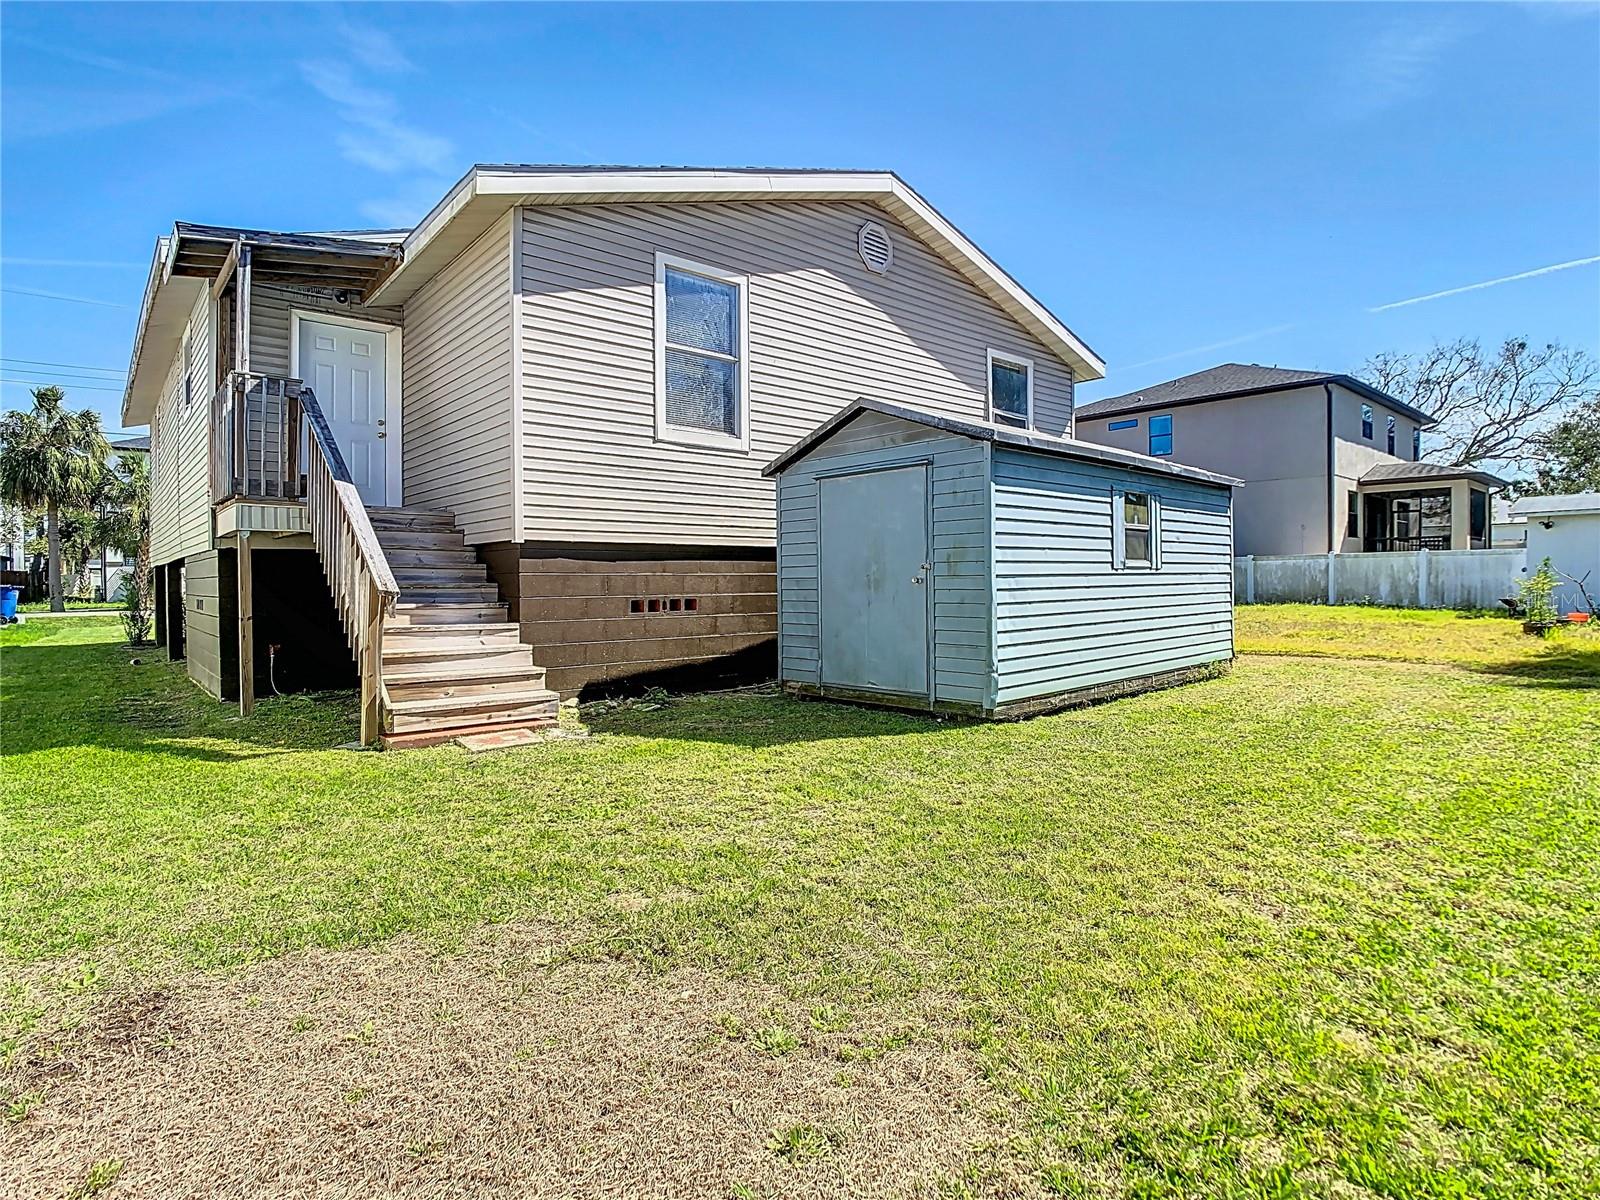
{"type": "Point", "coordinates": [1183, 185]}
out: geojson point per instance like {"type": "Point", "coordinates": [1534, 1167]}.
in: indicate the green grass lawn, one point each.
{"type": "Point", "coordinates": [43, 606]}
{"type": "Point", "coordinates": [1324, 926]}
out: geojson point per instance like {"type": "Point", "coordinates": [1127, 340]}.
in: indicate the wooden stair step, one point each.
{"type": "Point", "coordinates": [452, 682]}
{"type": "Point", "coordinates": [474, 574]}
{"type": "Point", "coordinates": [449, 733]}
{"type": "Point", "coordinates": [408, 556]}
{"type": "Point", "coordinates": [421, 539]}
{"type": "Point", "coordinates": [444, 613]}
{"type": "Point", "coordinates": [434, 593]}
{"type": "Point", "coordinates": [414, 716]}
{"type": "Point", "coordinates": [426, 662]}
{"type": "Point", "coordinates": [466, 635]}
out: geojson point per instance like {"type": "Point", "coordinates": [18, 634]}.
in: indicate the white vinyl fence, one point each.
{"type": "Point", "coordinates": [1405, 579]}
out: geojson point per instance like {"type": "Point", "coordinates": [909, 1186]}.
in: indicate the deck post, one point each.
{"type": "Point", "coordinates": [371, 666]}
{"type": "Point", "coordinates": [247, 629]}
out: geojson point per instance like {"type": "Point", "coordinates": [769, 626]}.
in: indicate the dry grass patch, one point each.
{"type": "Point", "coordinates": [508, 1067]}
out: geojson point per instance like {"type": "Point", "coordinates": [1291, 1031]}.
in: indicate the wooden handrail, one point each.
{"type": "Point", "coordinates": [364, 590]}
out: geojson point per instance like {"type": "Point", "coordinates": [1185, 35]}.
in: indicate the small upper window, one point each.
{"type": "Point", "coordinates": [1391, 435]}
{"type": "Point", "coordinates": [700, 354]}
{"type": "Point", "coordinates": [1161, 435]}
{"type": "Point", "coordinates": [188, 370]}
{"type": "Point", "coordinates": [1133, 424]}
{"type": "Point", "coordinates": [1416, 444]}
{"type": "Point", "coordinates": [1136, 528]}
{"type": "Point", "coordinates": [1366, 421]}
{"type": "Point", "coordinates": [1010, 391]}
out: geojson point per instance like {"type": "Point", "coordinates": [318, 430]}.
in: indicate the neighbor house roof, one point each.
{"type": "Point", "coordinates": [130, 445]}
{"type": "Point", "coordinates": [1426, 472]}
{"type": "Point", "coordinates": [1571, 505]}
{"type": "Point", "coordinates": [488, 191]}
{"type": "Point", "coordinates": [1000, 434]}
{"type": "Point", "coordinates": [1236, 379]}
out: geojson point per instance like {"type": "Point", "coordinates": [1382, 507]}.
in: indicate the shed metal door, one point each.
{"type": "Point", "coordinates": [874, 544]}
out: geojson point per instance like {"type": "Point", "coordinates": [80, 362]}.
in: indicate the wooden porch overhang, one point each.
{"type": "Point", "coordinates": [292, 259]}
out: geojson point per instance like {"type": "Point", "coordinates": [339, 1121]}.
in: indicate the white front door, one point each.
{"type": "Point", "coordinates": [344, 365]}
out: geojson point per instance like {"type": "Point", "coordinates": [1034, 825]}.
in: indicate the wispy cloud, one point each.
{"type": "Point", "coordinates": [1210, 346]}
{"type": "Point", "coordinates": [1399, 64]}
{"type": "Point", "coordinates": [1487, 283]}
{"type": "Point", "coordinates": [377, 134]}
{"type": "Point", "coordinates": [112, 93]}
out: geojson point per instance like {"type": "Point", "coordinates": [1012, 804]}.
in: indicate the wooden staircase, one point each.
{"type": "Point", "coordinates": [452, 662]}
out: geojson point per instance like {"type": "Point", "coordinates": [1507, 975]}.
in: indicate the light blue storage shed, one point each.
{"type": "Point", "coordinates": [955, 566]}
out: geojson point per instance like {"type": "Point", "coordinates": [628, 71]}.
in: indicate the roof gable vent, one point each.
{"type": "Point", "coordinates": [875, 248]}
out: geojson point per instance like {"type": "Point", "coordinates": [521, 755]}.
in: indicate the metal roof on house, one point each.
{"type": "Point", "coordinates": [1426, 472]}
{"type": "Point", "coordinates": [1237, 379]}
{"type": "Point", "coordinates": [1001, 434]}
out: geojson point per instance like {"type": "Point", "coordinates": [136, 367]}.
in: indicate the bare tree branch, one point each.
{"type": "Point", "coordinates": [1491, 407]}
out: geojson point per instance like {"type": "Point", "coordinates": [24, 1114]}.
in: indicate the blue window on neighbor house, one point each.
{"type": "Point", "coordinates": [1391, 435]}
{"type": "Point", "coordinates": [1161, 435]}
{"type": "Point", "coordinates": [1416, 445]}
{"type": "Point", "coordinates": [1134, 424]}
{"type": "Point", "coordinates": [1366, 421]}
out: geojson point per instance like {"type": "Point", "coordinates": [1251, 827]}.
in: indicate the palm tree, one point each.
{"type": "Point", "coordinates": [122, 516]}
{"type": "Point", "coordinates": [50, 457]}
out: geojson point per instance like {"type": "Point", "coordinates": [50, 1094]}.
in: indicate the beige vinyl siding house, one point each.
{"type": "Point", "coordinates": [537, 441]}
{"type": "Point", "coordinates": [823, 331]}
{"type": "Point", "coordinates": [456, 390]}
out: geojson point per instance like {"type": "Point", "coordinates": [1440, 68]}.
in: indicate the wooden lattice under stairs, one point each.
{"type": "Point", "coordinates": [452, 661]}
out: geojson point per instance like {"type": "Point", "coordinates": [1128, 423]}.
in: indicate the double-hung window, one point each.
{"type": "Point", "coordinates": [1366, 421]}
{"type": "Point", "coordinates": [701, 355]}
{"type": "Point", "coordinates": [1161, 435]}
{"type": "Point", "coordinates": [1391, 435]}
{"type": "Point", "coordinates": [1135, 531]}
{"type": "Point", "coordinates": [1010, 390]}
{"type": "Point", "coordinates": [1416, 444]}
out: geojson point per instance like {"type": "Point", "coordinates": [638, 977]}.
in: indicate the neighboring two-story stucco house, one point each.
{"type": "Point", "coordinates": [517, 451]}
{"type": "Point", "coordinates": [1330, 463]}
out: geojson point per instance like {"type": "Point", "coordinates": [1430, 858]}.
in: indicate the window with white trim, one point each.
{"type": "Point", "coordinates": [1366, 421]}
{"type": "Point", "coordinates": [1010, 390]}
{"type": "Point", "coordinates": [1136, 528]}
{"type": "Point", "coordinates": [701, 350]}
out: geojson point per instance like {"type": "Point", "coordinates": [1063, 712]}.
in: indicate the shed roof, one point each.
{"type": "Point", "coordinates": [1426, 472]}
{"type": "Point", "coordinates": [1572, 505]}
{"type": "Point", "coordinates": [1003, 435]}
{"type": "Point", "coordinates": [1237, 379]}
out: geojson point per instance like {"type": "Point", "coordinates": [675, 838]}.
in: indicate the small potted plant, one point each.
{"type": "Point", "coordinates": [1539, 613]}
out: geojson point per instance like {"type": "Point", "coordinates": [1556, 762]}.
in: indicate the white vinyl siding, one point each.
{"type": "Point", "coordinates": [822, 331]}
{"type": "Point", "coordinates": [456, 390]}
{"type": "Point", "coordinates": [180, 448]}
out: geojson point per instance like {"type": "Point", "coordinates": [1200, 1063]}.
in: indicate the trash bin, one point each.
{"type": "Point", "coordinates": [8, 603]}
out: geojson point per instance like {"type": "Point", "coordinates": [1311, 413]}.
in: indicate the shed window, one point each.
{"type": "Point", "coordinates": [1366, 421]}
{"type": "Point", "coordinates": [1391, 435]}
{"type": "Point", "coordinates": [700, 354]}
{"type": "Point", "coordinates": [1136, 528]}
{"type": "Point", "coordinates": [1161, 435]}
{"type": "Point", "coordinates": [1010, 390]}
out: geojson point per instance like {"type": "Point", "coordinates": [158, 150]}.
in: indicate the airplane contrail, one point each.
{"type": "Point", "coordinates": [1488, 283]}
